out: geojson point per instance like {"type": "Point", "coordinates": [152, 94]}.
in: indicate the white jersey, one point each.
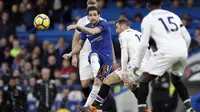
{"type": "Point", "coordinates": [87, 46]}
{"type": "Point", "coordinates": [168, 32]}
{"type": "Point", "coordinates": [129, 41]}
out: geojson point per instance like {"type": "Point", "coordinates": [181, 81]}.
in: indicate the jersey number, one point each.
{"type": "Point", "coordinates": [138, 36]}
{"type": "Point", "coordinates": [170, 23]}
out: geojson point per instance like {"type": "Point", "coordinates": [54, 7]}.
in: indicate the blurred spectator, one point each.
{"type": "Point", "coordinates": [2, 101]}
{"type": "Point", "coordinates": [32, 43]}
{"type": "Point", "coordinates": [52, 65]}
{"type": "Point", "coordinates": [15, 51]}
{"type": "Point", "coordinates": [7, 57]}
{"type": "Point", "coordinates": [28, 72]}
{"type": "Point", "coordinates": [45, 46]}
{"type": "Point", "coordinates": [101, 4]}
{"type": "Point", "coordinates": [36, 62]}
{"type": "Point", "coordinates": [51, 51]}
{"type": "Point", "coordinates": [186, 16]}
{"type": "Point", "coordinates": [36, 53]}
{"type": "Point", "coordinates": [138, 4]}
{"type": "Point", "coordinates": [67, 68]}
{"type": "Point", "coordinates": [57, 74]}
{"type": "Point", "coordinates": [1, 8]}
{"type": "Point", "coordinates": [74, 78]}
{"type": "Point", "coordinates": [69, 82]}
{"type": "Point", "coordinates": [62, 46]}
{"type": "Point", "coordinates": [57, 7]}
{"type": "Point", "coordinates": [122, 15]}
{"type": "Point", "coordinates": [190, 3]}
{"type": "Point", "coordinates": [5, 73]}
{"type": "Point", "coordinates": [6, 27]}
{"type": "Point", "coordinates": [138, 17]}
{"type": "Point", "coordinates": [176, 4]}
{"type": "Point", "coordinates": [45, 91]}
{"type": "Point", "coordinates": [121, 4]}
{"type": "Point", "coordinates": [185, 23]}
{"type": "Point", "coordinates": [61, 27]}
{"type": "Point", "coordinates": [197, 35]}
{"type": "Point", "coordinates": [16, 98]}
{"type": "Point", "coordinates": [65, 94]}
{"type": "Point", "coordinates": [23, 6]}
{"type": "Point", "coordinates": [37, 72]}
{"type": "Point", "coordinates": [42, 7]}
{"type": "Point", "coordinates": [194, 45]}
{"type": "Point", "coordinates": [21, 65]}
{"type": "Point", "coordinates": [73, 22]}
{"type": "Point", "coordinates": [29, 15]}
{"type": "Point", "coordinates": [16, 14]}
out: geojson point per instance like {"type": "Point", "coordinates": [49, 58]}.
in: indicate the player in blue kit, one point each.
{"type": "Point", "coordinates": [99, 34]}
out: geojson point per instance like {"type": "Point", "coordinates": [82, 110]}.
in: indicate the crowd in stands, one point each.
{"type": "Point", "coordinates": [24, 62]}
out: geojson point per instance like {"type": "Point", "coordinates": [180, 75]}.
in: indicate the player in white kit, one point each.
{"type": "Point", "coordinates": [85, 69]}
{"type": "Point", "coordinates": [129, 40]}
{"type": "Point", "coordinates": [172, 41]}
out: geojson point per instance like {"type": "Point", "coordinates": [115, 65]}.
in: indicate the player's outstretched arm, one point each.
{"type": "Point", "coordinates": [76, 50]}
{"type": "Point", "coordinates": [144, 42]}
{"type": "Point", "coordinates": [75, 41]}
{"type": "Point", "coordinates": [113, 52]}
{"type": "Point", "coordinates": [91, 31]}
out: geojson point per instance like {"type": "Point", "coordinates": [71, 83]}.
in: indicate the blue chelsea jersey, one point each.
{"type": "Point", "coordinates": [101, 43]}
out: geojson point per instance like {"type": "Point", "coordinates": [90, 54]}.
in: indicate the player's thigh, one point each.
{"type": "Point", "coordinates": [112, 78]}
{"type": "Point", "coordinates": [179, 67]}
{"type": "Point", "coordinates": [85, 69]}
{"type": "Point", "coordinates": [158, 64]}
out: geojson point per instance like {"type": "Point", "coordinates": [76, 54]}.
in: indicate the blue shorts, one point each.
{"type": "Point", "coordinates": [105, 65]}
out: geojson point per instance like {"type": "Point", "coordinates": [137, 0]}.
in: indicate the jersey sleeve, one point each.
{"type": "Point", "coordinates": [185, 34]}
{"type": "Point", "coordinates": [144, 41]}
{"type": "Point", "coordinates": [124, 53]}
{"type": "Point", "coordinates": [79, 23]}
{"type": "Point", "coordinates": [83, 36]}
{"type": "Point", "coordinates": [103, 26]}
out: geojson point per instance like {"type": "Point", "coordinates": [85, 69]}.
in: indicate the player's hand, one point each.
{"type": "Point", "coordinates": [67, 56]}
{"type": "Point", "coordinates": [74, 61]}
{"type": "Point", "coordinates": [126, 82]}
{"type": "Point", "coordinates": [71, 27]}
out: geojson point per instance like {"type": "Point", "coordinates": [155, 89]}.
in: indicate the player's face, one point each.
{"type": "Point", "coordinates": [93, 16]}
{"type": "Point", "coordinates": [118, 28]}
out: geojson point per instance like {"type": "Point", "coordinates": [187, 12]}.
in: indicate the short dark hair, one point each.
{"type": "Point", "coordinates": [93, 8]}
{"type": "Point", "coordinates": [123, 21]}
{"type": "Point", "coordinates": [155, 2]}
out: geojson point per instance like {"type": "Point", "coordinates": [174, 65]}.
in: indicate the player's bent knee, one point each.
{"type": "Point", "coordinates": [97, 82]}
{"type": "Point", "coordinates": [94, 54]}
{"type": "Point", "coordinates": [111, 79]}
{"type": "Point", "coordinates": [85, 83]}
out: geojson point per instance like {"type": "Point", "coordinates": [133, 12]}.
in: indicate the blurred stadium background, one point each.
{"type": "Point", "coordinates": [24, 50]}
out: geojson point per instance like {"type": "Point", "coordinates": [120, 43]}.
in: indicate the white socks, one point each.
{"type": "Point", "coordinates": [92, 96]}
{"type": "Point", "coordinates": [94, 60]}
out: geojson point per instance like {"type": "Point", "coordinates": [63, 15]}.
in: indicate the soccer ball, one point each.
{"type": "Point", "coordinates": [41, 22]}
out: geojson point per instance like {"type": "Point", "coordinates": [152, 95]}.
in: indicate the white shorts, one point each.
{"type": "Point", "coordinates": [130, 76]}
{"type": "Point", "coordinates": [85, 69]}
{"type": "Point", "coordinates": [160, 63]}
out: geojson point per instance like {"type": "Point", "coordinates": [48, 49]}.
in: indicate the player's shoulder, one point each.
{"type": "Point", "coordinates": [103, 22]}
{"type": "Point", "coordinates": [127, 33]}
{"type": "Point", "coordinates": [102, 19]}
{"type": "Point", "coordinates": [83, 21]}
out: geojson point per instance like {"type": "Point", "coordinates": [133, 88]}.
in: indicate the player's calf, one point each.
{"type": "Point", "coordinates": [182, 90]}
{"type": "Point", "coordinates": [86, 87]}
